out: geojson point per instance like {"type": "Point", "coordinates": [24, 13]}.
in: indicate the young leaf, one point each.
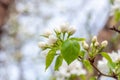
{"type": "Point", "coordinates": [111, 64]}
{"type": "Point", "coordinates": [88, 66]}
{"type": "Point", "coordinates": [93, 78]}
{"type": "Point", "coordinates": [58, 62]}
{"type": "Point", "coordinates": [82, 53]}
{"type": "Point", "coordinates": [117, 15]}
{"type": "Point", "coordinates": [78, 39]}
{"type": "Point", "coordinates": [83, 77]}
{"type": "Point", "coordinates": [50, 57]}
{"type": "Point", "coordinates": [70, 50]}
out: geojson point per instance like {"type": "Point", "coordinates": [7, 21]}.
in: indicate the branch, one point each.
{"type": "Point", "coordinates": [4, 5]}
{"type": "Point", "coordinates": [115, 29]}
{"type": "Point", "coordinates": [100, 73]}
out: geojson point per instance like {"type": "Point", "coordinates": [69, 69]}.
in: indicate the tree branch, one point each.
{"type": "Point", "coordinates": [100, 73]}
{"type": "Point", "coordinates": [115, 29]}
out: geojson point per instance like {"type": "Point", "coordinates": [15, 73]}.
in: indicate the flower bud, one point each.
{"type": "Point", "coordinates": [42, 45]}
{"type": "Point", "coordinates": [64, 27]}
{"type": "Point", "coordinates": [91, 45]}
{"type": "Point", "coordinates": [94, 39]}
{"type": "Point", "coordinates": [104, 43]}
{"type": "Point", "coordinates": [85, 45]}
{"type": "Point", "coordinates": [96, 44]}
{"type": "Point", "coordinates": [57, 29]}
{"type": "Point", "coordinates": [52, 39]}
{"type": "Point", "coordinates": [47, 33]}
{"type": "Point", "coordinates": [71, 30]}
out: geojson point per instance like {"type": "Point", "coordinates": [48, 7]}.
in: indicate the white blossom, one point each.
{"type": "Point", "coordinates": [96, 44]}
{"type": "Point", "coordinates": [52, 39]}
{"type": "Point", "coordinates": [42, 45]}
{"type": "Point", "coordinates": [115, 6]}
{"type": "Point", "coordinates": [64, 27]}
{"type": "Point", "coordinates": [94, 39]}
{"type": "Point", "coordinates": [115, 56]}
{"type": "Point", "coordinates": [71, 30]}
{"type": "Point", "coordinates": [102, 64]}
{"type": "Point", "coordinates": [104, 43]}
{"type": "Point", "coordinates": [57, 29]}
{"type": "Point", "coordinates": [47, 33]}
{"type": "Point", "coordinates": [85, 45]}
{"type": "Point", "coordinates": [91, 45]}
{"type": "Point", "coordinates": [67, 70]}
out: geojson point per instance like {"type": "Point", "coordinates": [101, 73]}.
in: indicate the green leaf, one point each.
{"type": "Point", "coordinates": [112, 1]}
{"type": "Point", "coordinates": [111, 64]}
{"type": "Point", "coordinates": [93, 78]}
{"type": "Point", "coordinates": [78, 39]}
{"type": "Point", "coordinates": [50, 57]}
{"type": "Point", "coordinates": [70, 50]}
{"type": "Point", "coordinates": [82, 53]}
{"type": "Point", "coordinates": [58, 62]}
{"type": "Point", "coordinates": [82, 77]}
{"type": "Point", "coordinates": [87, 65]}
{"type": "Point", "coordinates": [104, 54]}
{"type": "Point", "coordinates": [117, 15]}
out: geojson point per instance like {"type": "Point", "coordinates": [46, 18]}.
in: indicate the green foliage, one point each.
{"type": "Point", "coordinates": [58, 62]}
{"type": "Point", "coordinates": [50, 57]}
{"type": "Point", "coordinates": [70, 50]}
{"type": "Point", "coordinates": [111, 64]}
{"type": "Point", "coordinates": [88, 66]}
{"type": "Point", "coordinates": [77, 39]}
{"type": "Point", "coordinates": [82, 53]}
{"type": "Point", "coordinates": [83, 77]}
{"type": "Point", "coordinates": [112, 1]}
{"type": "Point", "coordinates": [93, 78]}
{"type": "Point", "coordinates": [117, 15]}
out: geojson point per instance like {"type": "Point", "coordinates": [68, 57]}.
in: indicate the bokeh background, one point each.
{"type": "Point", "coordinates": [23, 21]}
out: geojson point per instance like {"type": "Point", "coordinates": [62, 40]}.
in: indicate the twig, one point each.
{"type": "Point", "coordinates": [115, 29]}
{"type": "Point", "coordinates": [100, 73]}
{"type": "Point", "coordinates": [5, 6]}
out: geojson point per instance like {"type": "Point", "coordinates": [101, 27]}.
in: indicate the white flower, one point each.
{"type": "Point", "coordinates": [94, 39]}
{"type": "Point", "coordinates": [52, 39]}
{"type": "Point", "coordinates": [115, 6]}
{"type": "Point", "coordinates": [91, 45]}
{"type": "Point", "coordinates": [71, 30]}
{"type": "Point", "coordinates": [102, 66]}
{"type": "Point", "coordinates": [64, 27]}
{"type": "Point", "coordinates": [104, 43]}
{"type": "Point", "coordinates": [96, 44]}
{"type": "Point", "coordinates": [57, 29]}
{"type": "Point", "coordinates": [115, 56]}
{"type": "Point", "coordinates": [85, 45]}
{"type": "Point", "coordinates": [47, 33]}
{"type": "Point", "coordinates": [67, 70]}
{"type": "Point", "coordinates": [42, 45]}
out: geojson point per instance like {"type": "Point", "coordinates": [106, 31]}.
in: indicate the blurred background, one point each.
{"type": "Point", "coordinates": [23, 21]}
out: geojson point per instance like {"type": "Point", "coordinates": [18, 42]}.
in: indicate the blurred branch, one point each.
{"type": "Point", "coordinates": [4, 5]}
{"type": "Point", "coordinates": [115, 29]}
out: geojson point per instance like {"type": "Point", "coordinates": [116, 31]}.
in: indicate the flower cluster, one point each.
{"type": "Point", "coordinates": [60, 33]}
{"type": "Point", "coordinates": [95, 47]}
{"type": "Point", "coordinates": [66, 71]}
